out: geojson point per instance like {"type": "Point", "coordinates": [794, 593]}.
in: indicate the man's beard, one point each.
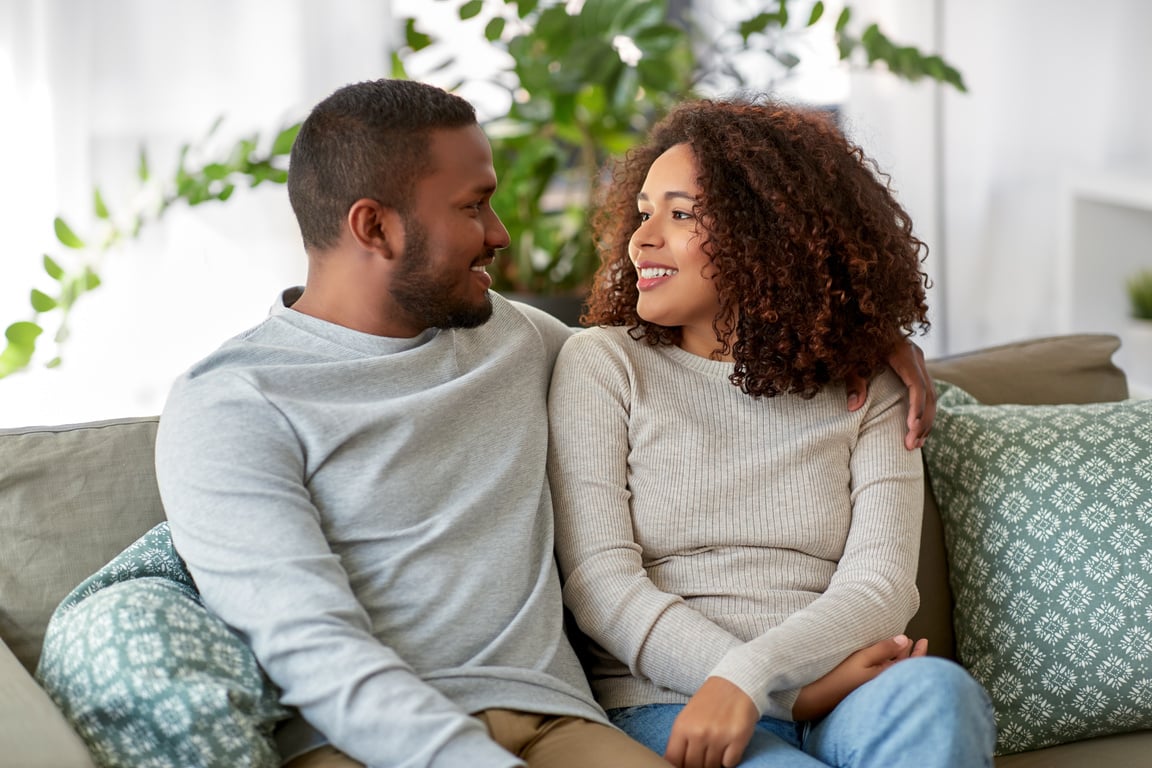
{"type": "Point", "coordinates": [426, 296]}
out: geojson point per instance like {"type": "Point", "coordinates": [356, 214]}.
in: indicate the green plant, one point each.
{"type": "Point", "coordinates": [585, 84]}
{"type": "Point", "coordinates": [1140, 294]}
{"type": "Point", "coordinates": [76, 272]}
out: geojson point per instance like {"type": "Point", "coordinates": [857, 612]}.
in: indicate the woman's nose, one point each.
{"type": "Point", "coordinates": [646, 235]}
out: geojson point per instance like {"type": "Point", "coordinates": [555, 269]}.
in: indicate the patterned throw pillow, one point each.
{"type": "Point", "coordinates": [148, 677]}
{"type": "Point", "coordinates": [1047, 515]}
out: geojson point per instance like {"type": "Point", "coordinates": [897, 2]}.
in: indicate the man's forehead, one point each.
{"type": "Point", "coordinates": [461, 156]}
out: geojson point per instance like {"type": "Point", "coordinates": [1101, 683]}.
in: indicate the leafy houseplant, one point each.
{"type": "Point", "coordinates": [1140, 295]}
{"type": "Point", "coordinates": [585, 82]}
{"type": "Point", "coordinates": [1136, 336]}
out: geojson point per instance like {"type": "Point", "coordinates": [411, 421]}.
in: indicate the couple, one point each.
{"type": "Point", "coordinates": [359, 486]}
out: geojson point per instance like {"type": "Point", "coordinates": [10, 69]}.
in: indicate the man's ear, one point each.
{"type": "Point", "coordinates": [376, 227]}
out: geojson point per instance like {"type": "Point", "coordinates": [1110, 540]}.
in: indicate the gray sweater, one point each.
{"type": "Point", "coordinates": [372, 515]}
{"type": "Point", "coordinates": [703, 532]}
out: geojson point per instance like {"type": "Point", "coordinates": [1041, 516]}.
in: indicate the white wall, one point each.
{"type": "Point", "coordinates": [1059, 91]}
{"type": "Point", "coordinates": [84, 84]}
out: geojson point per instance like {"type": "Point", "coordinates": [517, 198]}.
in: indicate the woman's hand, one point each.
{"type": "Point", "coordinates": [714, 728]}
{"type": "Point", "coordinates": [821, 696]}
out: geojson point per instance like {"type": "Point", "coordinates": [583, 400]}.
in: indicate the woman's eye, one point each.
{"type": "Point", "coordinates": [681, 215]}
{"type": "Point", "coordinates": [645, 216]}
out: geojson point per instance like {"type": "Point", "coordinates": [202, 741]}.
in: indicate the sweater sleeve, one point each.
{"type": "Point", "coordinates": [614, 602]}
{"type": "Point", "coordinates": [231, 476]}
{"type": "Point", "coordinates": [872, 594]}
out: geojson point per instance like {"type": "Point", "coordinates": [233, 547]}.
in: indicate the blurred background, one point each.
{"type": "Point", "coordinates": [1033, 189]}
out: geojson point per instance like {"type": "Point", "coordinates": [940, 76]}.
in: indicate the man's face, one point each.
{"type": "Point", "coordinates": [451, 234]}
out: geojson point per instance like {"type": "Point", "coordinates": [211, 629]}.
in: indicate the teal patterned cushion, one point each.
{"type": "Point", "coordinates": [1047, 516]}
{"type": "Point", "coordinates": [148, 677]}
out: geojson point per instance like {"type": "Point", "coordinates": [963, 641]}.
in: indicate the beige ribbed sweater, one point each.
{"type": "Point", "coordinates": [703, 532]}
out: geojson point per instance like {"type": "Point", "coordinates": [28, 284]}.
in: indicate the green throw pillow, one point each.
{"type": "Point", "coordinates": [1047, 515]}
{"type": "Point", "coordinates": [148, 677]}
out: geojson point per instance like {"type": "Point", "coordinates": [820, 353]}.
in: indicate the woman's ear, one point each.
{"type": "Point", "coordinates": [376, 227]}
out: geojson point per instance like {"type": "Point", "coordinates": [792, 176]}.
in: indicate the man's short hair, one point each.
{"type": "Point", "coordinates": [366, 140]}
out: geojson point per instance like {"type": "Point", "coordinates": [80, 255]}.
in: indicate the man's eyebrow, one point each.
{"type": "Point", "coordinates": [673, 195]}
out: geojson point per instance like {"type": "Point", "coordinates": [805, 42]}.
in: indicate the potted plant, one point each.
{"type": "Point", "coordinates": [585, 82]}
{"type": "Point", "coordinates": [1137, 337]}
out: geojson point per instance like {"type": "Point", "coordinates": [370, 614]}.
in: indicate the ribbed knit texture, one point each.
{"type": "Point", "coordinates": [704, 532]}
{"type": "Point", "coordinates": [372, 514]}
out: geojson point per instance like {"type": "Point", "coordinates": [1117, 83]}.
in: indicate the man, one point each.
{"type": "Point", "coordinates": [358, 484]}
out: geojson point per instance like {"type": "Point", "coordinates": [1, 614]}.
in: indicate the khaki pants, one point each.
{"type": "Point", "coordinates": [542, 741]}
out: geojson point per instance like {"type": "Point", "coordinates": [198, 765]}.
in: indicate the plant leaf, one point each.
{"type": "Point", "coordinates": [842, 19]}
{"type": "Point", "coordinates": [21, 345]}
{"type": "Point", "coordinates": [282, 146]}
{"type": "Point", "coordinates": [494, 29]}
{"type": "Point", "coordinates": [42, 302]}
{"type": "Point", "coordinates": [23, 332]}
{"type": "Point", "coordinates": [757, 23]}
{"type": "Point", "coordinates": [54, 270]}
{"type": "Point", "coordinates": [415, 39]}
{"type": "Point", "coordinates": [65, 234]}
{"type": "Point", "coordinates": [817, 12]}
{"type": "Point", "coordinates": [398, 71]}
{"type": "Point", "coordinates": [98, 204]}
{"type": "Point", "coordinates": [470, 9]}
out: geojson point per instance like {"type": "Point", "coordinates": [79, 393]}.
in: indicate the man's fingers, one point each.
{"type": "Point", "coordinates": [857, 388]}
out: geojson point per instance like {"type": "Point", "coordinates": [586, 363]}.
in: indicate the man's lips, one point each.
{"type": "Point", "coordinates": [480, 269]}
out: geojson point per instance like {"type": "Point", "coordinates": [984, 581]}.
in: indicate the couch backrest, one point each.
{"type": "Point", "coordinates": [1059, 369]}
{"type": "Point", "coordinates": [74, 496]}
{"type": "Point", "coordinates": [71, 498]}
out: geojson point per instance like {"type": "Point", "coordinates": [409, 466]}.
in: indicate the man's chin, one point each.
{"type": "Point", "coordinates": [470, 317]}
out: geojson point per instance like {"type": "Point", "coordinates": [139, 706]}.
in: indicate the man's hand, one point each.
{"type": "Point", "coordinates": [714, 728]}
{"type": "Point", "coordinates": [820, 697]}
{"type": "Point", "coordinates": [907, 360]}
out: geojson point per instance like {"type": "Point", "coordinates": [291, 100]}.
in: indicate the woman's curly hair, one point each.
{"type": "Point", "coordinates": [819, 272]}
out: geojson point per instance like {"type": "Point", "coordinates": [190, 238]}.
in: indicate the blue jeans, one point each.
{"type": "Point", "coordinates": [925, 712]}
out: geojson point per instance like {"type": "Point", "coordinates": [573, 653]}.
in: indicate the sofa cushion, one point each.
{"type": "Point", "coordinates": [1047, 515]}
{"type": "Point", "coordinates": [71, 497]}
{"type": "Point", "coordinates": [1075, 368]}
{"type": "Point", "coordinates": [147, 676]}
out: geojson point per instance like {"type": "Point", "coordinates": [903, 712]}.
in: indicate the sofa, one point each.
{"type": "Point", "coordinates": [73, 496]}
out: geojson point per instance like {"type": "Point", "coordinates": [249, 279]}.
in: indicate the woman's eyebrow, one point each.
{"type": "Point", "coordinates": [670, 196]}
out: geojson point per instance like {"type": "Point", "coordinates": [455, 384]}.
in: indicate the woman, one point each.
{"type": "Point", "coordinates": [728, 534]}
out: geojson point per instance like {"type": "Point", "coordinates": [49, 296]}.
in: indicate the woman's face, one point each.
{"type": "Point", "coordinates": [675, 277]}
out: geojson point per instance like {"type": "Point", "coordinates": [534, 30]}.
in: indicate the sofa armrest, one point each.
{"type": "Point", "coordinates": [33, 732]}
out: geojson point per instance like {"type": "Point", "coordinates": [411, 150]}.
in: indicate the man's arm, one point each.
{"type": "Point", "coordinates": [231, 474]}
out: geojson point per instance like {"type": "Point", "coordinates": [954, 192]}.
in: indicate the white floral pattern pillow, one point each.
{"type": "Point", "coordinates": [148, 677]}
{"type": "Point", "coordinates": [1047, 515]}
